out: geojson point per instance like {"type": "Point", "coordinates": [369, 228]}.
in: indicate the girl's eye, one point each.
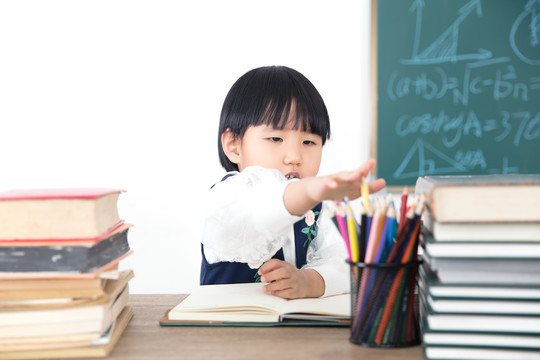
{"type": "Point", "coordinates": [309, 142]}
{"type": "Point", "coordinates": [274, 139]}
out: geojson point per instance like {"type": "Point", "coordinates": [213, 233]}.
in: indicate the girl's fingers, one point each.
{"type": "Point", "coordinates": [269, 266]}
{"type": "Point", "coordinates": [275, 286]}
{"type": "Point", "coordinates": [367, 166]}
{"type": "Point", "coordinates": [376, 185]}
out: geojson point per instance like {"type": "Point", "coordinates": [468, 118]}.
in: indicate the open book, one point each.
{"type": "Point", "coordinates": [247, 304]}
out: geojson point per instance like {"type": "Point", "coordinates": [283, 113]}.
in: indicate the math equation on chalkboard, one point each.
{"type": "Point", "coordinates": [458, 88]}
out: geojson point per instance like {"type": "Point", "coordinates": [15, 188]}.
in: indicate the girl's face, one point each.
{"type": "Point", "coordinates": [295, 153]}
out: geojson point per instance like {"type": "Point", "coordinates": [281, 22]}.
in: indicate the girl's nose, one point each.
{"type": "Point", "coordinates": [292, 156]}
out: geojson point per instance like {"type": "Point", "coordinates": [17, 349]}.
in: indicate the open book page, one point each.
{"type": "Point", "coordinates": [248, 302]}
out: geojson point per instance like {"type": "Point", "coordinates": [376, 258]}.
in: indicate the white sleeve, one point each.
{"type": "Point", "coordinates": [327, 255]}
{"type": "Point", "coordinates": [246, 219]}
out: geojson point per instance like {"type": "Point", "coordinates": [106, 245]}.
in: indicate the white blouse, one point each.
{"type": "Point", "coordinates": [246, 221]}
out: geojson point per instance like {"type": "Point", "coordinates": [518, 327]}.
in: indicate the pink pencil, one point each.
{"type": "Point", "coordinates": [342, 224]}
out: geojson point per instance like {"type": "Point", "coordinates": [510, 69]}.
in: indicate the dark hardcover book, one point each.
{"type": "Point", "coordinates": [429, 282]}
{"type": "Point", "coordinates": [517, 271]}
{"type": "Point", "coordinates": [478, 322]}
{"type": "Point", "coordinates": [74, 257]}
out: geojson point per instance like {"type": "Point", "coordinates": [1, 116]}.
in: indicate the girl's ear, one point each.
{"type": "Point", "coordinates": [230, 144]}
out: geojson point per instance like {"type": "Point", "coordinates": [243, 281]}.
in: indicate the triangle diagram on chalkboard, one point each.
{"type": "Point", "coordinates": [424, 159]}
{"type": "Point", "coordinates": [444, 48]}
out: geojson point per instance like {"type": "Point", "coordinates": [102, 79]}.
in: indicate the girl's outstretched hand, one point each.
{"type": "Point", "coordinates": [300, 196]}
{"type": "Point", "coordinates": [346, 184]}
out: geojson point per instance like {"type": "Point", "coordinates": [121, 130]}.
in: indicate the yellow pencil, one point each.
{"type": "Point", "coordinates": [365, 194]}
{"type": "Point", "coordinates": [353, 236]}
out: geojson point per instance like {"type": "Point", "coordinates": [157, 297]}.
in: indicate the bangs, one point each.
{"type": "Point", "coordinates": [289, 112]}
{"type": "Point", "coordinates": [272, 96]}
{"type": "Point", "coordinates": [288, 95]}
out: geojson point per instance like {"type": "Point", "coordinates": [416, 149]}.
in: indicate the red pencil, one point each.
{"type": "Point", "coordinates": [404, 198]}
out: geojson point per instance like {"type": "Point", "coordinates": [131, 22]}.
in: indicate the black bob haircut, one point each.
{"type": "Point", "coordinates": [266, 96]}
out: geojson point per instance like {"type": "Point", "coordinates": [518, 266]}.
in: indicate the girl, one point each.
{"type": "Point", "coordinates": [265, 220]}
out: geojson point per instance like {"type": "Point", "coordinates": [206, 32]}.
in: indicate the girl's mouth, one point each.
{"type": "Point", "coordinates": [292, 175]}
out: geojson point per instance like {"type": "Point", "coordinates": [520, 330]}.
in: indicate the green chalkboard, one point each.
{"type": "Point", "coordinates": [458, 87]}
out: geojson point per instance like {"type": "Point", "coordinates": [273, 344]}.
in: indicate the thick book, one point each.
{"type": "Point", "coordinates": [35, 275]}
{"type": "Point", "coordinates": [447, 306]}
{"type": "Point", "coordinates": [439, 304]}
{"type": "Point", "coordinates": [70, 347]}
{"type": "Point", "coordinates": [56, 214]}
{"type": "Point", "coordinates": [85, 257]}
{"type": "Point", "coordinates": [432, 337]}
{"type": "Point", "coordinates": [44, 291]}
{"type": "Point", "coordinates": [482, 198]}
{"type": "Point", "coordinates": [77, 316]}
{"type": "Point", "coordinates": [248, 305]}
{"type": "Point", "coordinates": [477, 231]}
{"type": "Point", "coordinates": [459, 270]}
{"type": "Point", "coordinates": [480, 339]}
{"type": "Point", "coordinates": [430, 284]}
{"type": "Point", "coordinates": [47, 288]}
{"type": "Point", "coordinates": [474, 353]}
{"type": "Point", "coordinates": [475, 322]}
{"type": "Point", "coordinates": [480, 249]}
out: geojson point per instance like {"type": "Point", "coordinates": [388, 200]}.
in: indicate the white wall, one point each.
{"type": "Point", "coordinates": [128, 94]}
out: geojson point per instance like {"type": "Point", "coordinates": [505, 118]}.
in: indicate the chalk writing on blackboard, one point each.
{"type": "Point", "coordinates": [529, 19]}
{"type": "Point", "coordinates": [444, 48]}
{"type": "Point", "coordinates": [453, 99]}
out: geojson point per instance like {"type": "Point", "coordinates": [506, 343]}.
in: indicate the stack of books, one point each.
{"type": "Point", "coordinates": [480, 282]}
{"type": "Point", "coordinates": [61, 293]}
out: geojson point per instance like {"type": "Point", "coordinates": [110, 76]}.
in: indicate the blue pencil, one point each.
{"type": "Point", "coordinates": [390, 214]}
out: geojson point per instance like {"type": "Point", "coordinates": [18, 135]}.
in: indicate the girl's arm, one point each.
{"type": "Point", "coordinates": [302, 195]}
{"type": "Point", "coordinates": [245, 218]}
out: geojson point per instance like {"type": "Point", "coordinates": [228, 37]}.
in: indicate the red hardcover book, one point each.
{"type": "Point", "coordinates": [58, 214]}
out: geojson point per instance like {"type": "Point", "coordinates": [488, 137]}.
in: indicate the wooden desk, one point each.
{"type": "Point", "coordinates": [145, 339]}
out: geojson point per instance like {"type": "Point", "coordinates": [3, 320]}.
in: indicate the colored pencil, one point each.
{"type": "Point", "coordinates": [390, 216]}
{"type": "Point", "coordinates": [370, 251]}
{"type": "Point", "coordinates": [404, 198]}
{"type": "Point", "coordinates": [353, 236]}
{"type": "Point", "coordinates": [391, 234]}
{"type": "Point", "coordinates": [363, 233]}
{"type": "Point", "coordinates": [342, 225]}
{"type": "Point", "coordinates": [364, 190]}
